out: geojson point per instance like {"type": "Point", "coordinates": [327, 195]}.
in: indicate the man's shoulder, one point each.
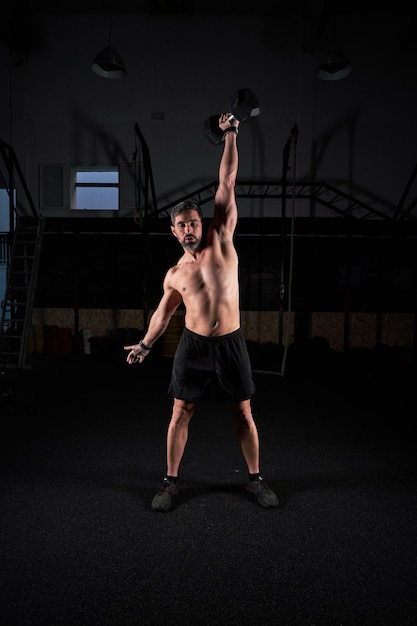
{"type": "Point", "coordinates": [171, 271]}
{"type": "Point", "coordinates": [174, 268]}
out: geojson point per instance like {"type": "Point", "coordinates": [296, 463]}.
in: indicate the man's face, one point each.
{"type": "Point", "coordinates": [188, 229]}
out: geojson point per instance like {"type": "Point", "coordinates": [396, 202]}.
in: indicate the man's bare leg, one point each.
{"type": "Point", "coordinates": [247, 434]}
{"type": "Point", "coordinates": [177, 435]}
{"type": "Point", "coordinates": [248, 438]}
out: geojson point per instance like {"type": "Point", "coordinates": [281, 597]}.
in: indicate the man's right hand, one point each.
{"type": "Point", "coordinates": [137, 353]}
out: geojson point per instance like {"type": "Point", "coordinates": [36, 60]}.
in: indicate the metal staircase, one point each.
{"type": "Point", "coordinates": [16, 308]}
{"type": "Point", "coordinates": [22, 256]}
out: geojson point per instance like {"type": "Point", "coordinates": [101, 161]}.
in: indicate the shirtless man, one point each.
{"type": "Point", "coordinates": [212, 352]}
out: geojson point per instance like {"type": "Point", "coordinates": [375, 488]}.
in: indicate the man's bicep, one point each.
{"type": "Point", "coordinates": [170, 300]}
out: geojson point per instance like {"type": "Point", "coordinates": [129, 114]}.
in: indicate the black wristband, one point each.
{"type": "Point", "coordinates": [232, 129]}
{"type": "Point", "coordinates": [144, 346]}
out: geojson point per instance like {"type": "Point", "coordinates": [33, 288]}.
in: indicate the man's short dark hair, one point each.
{"type": "Point", "coordinates": [187, 205]}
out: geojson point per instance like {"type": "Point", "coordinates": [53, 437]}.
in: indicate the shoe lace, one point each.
{"type": "Point", "coordinates": [167, 485]}
{"type": "Point", "coordinates": [261, 485]}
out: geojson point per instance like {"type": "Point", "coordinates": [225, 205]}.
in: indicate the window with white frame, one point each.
{"type": "Point", "coordinates": [89, 188]}
{"type": "Point", "coordinates": [94, 188]}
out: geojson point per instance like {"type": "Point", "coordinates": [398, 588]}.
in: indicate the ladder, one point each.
{"type": "Point", "coordinates": [17, 306]}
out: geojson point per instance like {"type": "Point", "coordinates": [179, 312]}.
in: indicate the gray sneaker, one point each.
{"type": "Point", "coordinates": [162, 501]}
{"type": "Point", "coordinates": [264, 495]}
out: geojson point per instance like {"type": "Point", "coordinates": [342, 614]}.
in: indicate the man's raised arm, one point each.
{"type": "Point", "coordinates": [225, 208]}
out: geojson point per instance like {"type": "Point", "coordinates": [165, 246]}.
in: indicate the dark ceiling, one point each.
{"type": "Point", "coordinates": [316, 17]}
{"type": "Point", "coordinates": [303, 8]}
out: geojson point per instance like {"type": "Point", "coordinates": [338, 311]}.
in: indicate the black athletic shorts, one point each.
{"type": "Point", "coordinates": [211, 368]}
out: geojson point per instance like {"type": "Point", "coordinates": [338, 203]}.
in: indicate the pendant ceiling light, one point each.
{"type": "Point", "coordinates": [334, 66]}
{"type": "Point", "coordinates": [108, 63]}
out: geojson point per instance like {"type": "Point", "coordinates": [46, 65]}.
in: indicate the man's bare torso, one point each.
{"type": "Point", "coordinates": [209, 288]}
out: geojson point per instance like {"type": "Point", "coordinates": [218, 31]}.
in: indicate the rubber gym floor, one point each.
{"type": "Point", "coordinates": [83, 452]}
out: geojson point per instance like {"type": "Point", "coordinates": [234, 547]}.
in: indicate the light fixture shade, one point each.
{"type": "Point", "coordinates": [109, 64]}
{"type": "Point", "coordinates": [334, 66]}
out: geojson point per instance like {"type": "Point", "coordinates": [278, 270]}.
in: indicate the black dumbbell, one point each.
{"type": "Point", "coordinates": [244, 107]}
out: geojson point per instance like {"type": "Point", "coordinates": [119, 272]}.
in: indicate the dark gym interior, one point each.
{"type": "Point", "coordinates": [326, 242]}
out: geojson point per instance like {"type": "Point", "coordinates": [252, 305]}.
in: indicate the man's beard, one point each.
{"type": "Point", "coordinates": [192, 244]}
